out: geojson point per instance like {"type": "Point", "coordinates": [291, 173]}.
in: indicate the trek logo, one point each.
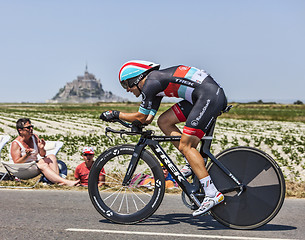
{"type": "Point", "coordinates": [170, 165]}
{"type": "Point", "coordinates": [184, 82]}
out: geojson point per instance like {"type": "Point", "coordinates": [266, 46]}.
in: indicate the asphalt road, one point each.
{"type": "Point", "coordinates": [42, 214]}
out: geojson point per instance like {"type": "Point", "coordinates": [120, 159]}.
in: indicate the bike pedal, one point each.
{"type": "Point", "coordinates": [194, 207]}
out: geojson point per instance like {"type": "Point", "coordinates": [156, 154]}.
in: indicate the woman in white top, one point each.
{"type": "Point", "coordinates": [28, 147]}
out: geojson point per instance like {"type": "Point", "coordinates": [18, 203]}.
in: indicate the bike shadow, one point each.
{"type": "Point", "coordinates": [205, 222]}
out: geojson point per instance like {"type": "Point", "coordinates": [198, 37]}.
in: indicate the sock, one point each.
{"type": "Point", "coordinates": [208, 186]}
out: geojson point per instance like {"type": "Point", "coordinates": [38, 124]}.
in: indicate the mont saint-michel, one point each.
{"type": "Point", "coordinates": [85, 89]}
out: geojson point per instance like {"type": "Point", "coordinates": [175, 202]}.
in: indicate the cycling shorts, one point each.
{"type": "Point", "coordinates": [208, 101]}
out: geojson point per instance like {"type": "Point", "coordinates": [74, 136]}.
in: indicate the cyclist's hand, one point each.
{"type": "Point", "coordinates": [110, 116]}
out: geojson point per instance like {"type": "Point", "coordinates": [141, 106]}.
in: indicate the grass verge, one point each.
{"type": "Point", "coordinates": [294, 190]}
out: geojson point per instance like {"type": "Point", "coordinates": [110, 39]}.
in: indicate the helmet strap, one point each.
{"type": "Point", "coordinates": [139, 88]}
{"type": "Point", "coordinates": [137, 81]}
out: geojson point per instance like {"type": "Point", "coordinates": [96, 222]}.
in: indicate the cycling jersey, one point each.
{"type": "Point", "coordinates": [203, 97]}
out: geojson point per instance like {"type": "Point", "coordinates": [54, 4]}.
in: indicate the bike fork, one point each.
{"type": "Point", "coordinates": [133, 164]}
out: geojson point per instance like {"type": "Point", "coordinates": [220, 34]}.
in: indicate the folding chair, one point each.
{"type": "Point", "coordinates": [25, 171]}
{"type": "Point", "coordinates": [3, 140]}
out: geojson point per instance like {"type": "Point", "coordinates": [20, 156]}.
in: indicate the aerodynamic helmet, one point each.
{"type": "Point", "coordinates": [132, 72]}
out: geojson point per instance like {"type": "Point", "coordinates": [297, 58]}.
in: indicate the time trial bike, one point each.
{"type": "Point", "coordinates": [251, 181]}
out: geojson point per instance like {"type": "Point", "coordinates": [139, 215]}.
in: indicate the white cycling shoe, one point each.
{"type": "Point", "coordinates": [186, 170]}
{"type": "Point", "coordinates": [208, 203]}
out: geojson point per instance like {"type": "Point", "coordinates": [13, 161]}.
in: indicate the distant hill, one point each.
{"type": "Point", "coordinates": [85, 89]}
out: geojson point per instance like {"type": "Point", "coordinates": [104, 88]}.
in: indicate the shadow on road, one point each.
{"type": "Point", "coordinates": [203, 223]}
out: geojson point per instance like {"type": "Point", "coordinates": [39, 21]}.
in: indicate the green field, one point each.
{"type": "Point", "coordinates": [277, 129]}
{"type": "Point", "coordinates": [273, 112]}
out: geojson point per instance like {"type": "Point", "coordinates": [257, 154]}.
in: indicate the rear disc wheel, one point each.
{"type": "Point", "coordinates": [264, 193]}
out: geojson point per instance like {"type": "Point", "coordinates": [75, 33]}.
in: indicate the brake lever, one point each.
{"type": "Point", "coordinates": [121, 132]}
{"type": "Point", "coordinates": [121, 135]}
{"type": "Point", "coordinates": [106, 133]}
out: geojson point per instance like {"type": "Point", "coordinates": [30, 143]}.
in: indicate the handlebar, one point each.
{"type": "Point", "coordinates": [136, 128]}
{"type": "Point", "coordinates": [125, 124]}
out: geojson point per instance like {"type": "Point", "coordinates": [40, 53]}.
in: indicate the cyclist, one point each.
{"type": "Point", "coordinates": [203, 100]}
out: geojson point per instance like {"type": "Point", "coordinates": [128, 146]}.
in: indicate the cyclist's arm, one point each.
{"type": "Point", "coordinates": [149, 119]}
{"type": "Point", "coordinates": [154, 108]}
{"type": "Point", "coordinates": [149, 106]}
{"type": "Point", "coordinates": [130, 117]}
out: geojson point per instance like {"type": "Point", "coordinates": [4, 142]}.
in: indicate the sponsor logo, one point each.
{"type": "Point", "coordinates": [184, 68]}
{"type": "Point", "coordinates": [126, 149]}
{"type": "Point", "coordinates": [194, 123]}
{"type": "Point", "coordinates": [109, 213]}
{"type": "Point", "coordinates": [208, 125]}
{"type": "Point", "coordinates": [149, 104]}
{"type": "Point", "coordinates": [157, 198]}
{"type": "Point", "coordinates": [143, 100]}
{"type": "Point", "coordinates": [143, 96]}
{"type": "Point", "coordinates": [116, 152]}
{"type": "Point", "coordinates": [107, 154]}
{"type": "Point", "coordinates": [184, 82]}
{"type": "Point", "coordinates": [202, 111]}
{"type": "Point", "coordinates": [170, 165]}
{"type": "Point", "coordinates": [158, 183]}
{"type": "Point", "coordinates": [217, 91]}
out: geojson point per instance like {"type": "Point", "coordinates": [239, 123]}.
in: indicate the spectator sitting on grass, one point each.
{"type": "Point", "coordinates": [82, 170]}
{"type": "Point", "coordinates": [28, 147]}
{"type": "Point", "coordinates": [169, 181]}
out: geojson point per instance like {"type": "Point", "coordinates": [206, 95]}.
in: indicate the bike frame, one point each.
{"type": "Point", "coordinates": [190, 189]}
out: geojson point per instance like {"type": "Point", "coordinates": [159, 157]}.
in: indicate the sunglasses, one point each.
{"type": "Point", "coordinates": [29, 127]}
{"type": "Point", "coordinates": [131, 82]}
{"type": "Point", "coordinates": [126, 84]}
{"type": "Point", "coordinates": [88, 154]}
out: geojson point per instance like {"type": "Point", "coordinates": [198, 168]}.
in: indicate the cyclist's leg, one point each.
{"type": "Point", "coordinates": [167, 122]}
{"type": "Point", "coordinates": [176, 114]}
{"type": "Point", "coordinates": [187, 146]}
{"type": "Point", "coordinates": [209, 101]}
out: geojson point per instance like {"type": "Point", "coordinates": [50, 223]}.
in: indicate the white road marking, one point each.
{"type": "Point", "coordinates": [171, 234]}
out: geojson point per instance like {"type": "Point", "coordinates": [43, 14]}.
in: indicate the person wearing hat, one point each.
{"type": "Point", "coordinates": [82, 170]}
{"type": "Point", "coordinates": [170, 183]}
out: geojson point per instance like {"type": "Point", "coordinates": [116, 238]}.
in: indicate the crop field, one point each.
{"type": "Point", "coordinates": [278, 130]}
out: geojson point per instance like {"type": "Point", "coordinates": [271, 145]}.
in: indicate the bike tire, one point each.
{"type": "Point", "coordinates": [126, 204]}
{"type": "Point", "coordinates": [265, 188]}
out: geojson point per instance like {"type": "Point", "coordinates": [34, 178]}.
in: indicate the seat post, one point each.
{"type": "Point", "coordinates": [206, 141]}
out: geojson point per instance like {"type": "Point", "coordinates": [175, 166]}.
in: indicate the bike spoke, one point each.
{"type": "Point", "coordinates": [119, 210]}
{"type": "Point", "coordinates": [116, 180]}
{"type": "Point", "coordinates": [115, 197]}
{"type": "Point", "coordinates": [139, 198]}
{"type": "Point", "coordinates": [134, 202]}
{"type": "Point", "coordinates": [107, 189]}
{"type": "Point", "coordinates": [126, 202]}
{"type": "Point", "coordinates": [140, 190]}
{"type": "Point", "coordinates": [130, 203]}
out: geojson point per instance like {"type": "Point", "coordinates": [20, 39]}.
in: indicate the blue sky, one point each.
{"type": "Point", "coordinates": [254, 49]}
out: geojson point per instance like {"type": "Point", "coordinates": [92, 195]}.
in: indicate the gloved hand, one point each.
{"type": "Point", "coordinates": [110, 116]}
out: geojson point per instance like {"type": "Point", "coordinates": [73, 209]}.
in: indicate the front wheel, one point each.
{"type": "Point", "coordinates": [264, 193]}
{"type": "Point", "coordinates": [136, 201]}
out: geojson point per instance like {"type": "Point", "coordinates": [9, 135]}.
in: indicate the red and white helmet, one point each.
{"type": "Point", "coordinates": [135, 71]}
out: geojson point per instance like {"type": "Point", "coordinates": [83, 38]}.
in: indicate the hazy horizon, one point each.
{"type": "Point", "coordinates": [254, 49]}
